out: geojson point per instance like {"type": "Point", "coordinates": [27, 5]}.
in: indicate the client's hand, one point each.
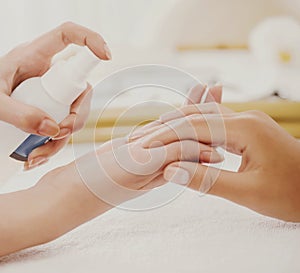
{"type": "Point", "coordinates": [268, 178]}
{"type": "Point", "coordinates": [114, 173]}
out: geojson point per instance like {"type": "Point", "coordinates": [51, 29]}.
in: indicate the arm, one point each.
{"type": "Point", "coordinates": [42, 213]}
{"type": "Point", "coordinates": [65, 198]}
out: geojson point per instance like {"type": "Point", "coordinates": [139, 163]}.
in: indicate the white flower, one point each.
{"type": "Point", "coordinates": [276, 41]}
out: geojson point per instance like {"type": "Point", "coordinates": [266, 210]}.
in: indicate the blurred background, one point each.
{"type": "Point", "coordinates": [184, 33]}
{"type": "Point", "coordinates": [252, 47]}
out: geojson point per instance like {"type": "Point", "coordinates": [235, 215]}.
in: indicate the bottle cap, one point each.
{"type": "Point", "coordinates": [67, 79]}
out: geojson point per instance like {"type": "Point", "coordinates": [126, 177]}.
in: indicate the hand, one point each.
{"type": "Point", "coordinates": [268, 178]}
{"type": "Point", "coordinates": [114, 173]}
{"type": "Point", "coordinates": [31, 60]}
{"type": "Point", "coordinates": [132, 167]}
{"type": "Point", "coordinates": [195, 95]}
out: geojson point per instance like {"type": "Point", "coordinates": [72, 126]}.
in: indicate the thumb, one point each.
{"type": "Point", "coordinates": [206, 179]}
{"type": "Point", "coordinates": [27, 118]}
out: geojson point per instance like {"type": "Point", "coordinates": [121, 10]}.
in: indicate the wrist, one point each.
{"type": "Point", "coordinates": [68, 202]}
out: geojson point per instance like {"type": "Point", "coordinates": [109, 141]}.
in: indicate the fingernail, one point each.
{"type": "Point", "coordinates": [48, 128]}
{"type": "Point", "coordinates": [171, 115]}
{"type": "Point", "coordinates": [135, 136]}
{"type": "Point", "coordinates": [64, 132]}
{"type": "Point", "coordinates": [107, 52]}
{"type": "Point", "coordinates": [152, 124]}
{"type": "Point", "coordinates": [211, 157]}
{"type": "Point", "coordinates": [177, 175]}
{"type": "Point", "coordinates": [35, 162]}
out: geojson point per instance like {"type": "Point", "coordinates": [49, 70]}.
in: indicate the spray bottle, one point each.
{"type": "Point", "coordinates": [53, 92]}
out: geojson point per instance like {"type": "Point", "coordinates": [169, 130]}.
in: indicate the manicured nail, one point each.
{"type": "Point", "coordinates": [171, 115]}
{"type": "Point", "coordinates": [152, 124]}
{"type": "Point", "coordinates": [35, 162]}
{"type": "Point", "coordinates": [211, 157]}
{"type": "Point", "coordinates": [135, 136]}
{"type": "Point", "coordinates": [64, 132]}
{"type": "Point", "coordinates": [177, 175]}
{"type": "Point", "coordinates": [107, 52]}
{"type": "Point", "coordinates": [48, 128]}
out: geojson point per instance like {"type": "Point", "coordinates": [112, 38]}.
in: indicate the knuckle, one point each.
{"type": "Point", "coordinates": [79, 124]}
{"type": "Point", "coordinates": [66, 25]}
{"type": "Point", "coordinates": [257, 114]}
{"type": "Point", "coordinates": [63, 29]}
{"type": "Point", "coordinates": [254, 118]}
{"type": "Point", "coordinates": [213, 104]}
{"type": "Point", "coordinates": [30, 119]}
{"type": "Point", "coordinates": [195, 119]}
{"type": "Point", "coordinates": [177, 147]}
{"type": "Point", "coordinates": [97, 36]}
{"type": "Point", "coordinates": [213, 107]}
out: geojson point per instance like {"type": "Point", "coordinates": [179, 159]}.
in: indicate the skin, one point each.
{"type": "Point", "coordinates": [62, 199]}
{"type": "Point", "coordinates": [268, 178]}
{"type": "Point", "coordinates": [56, 205]}
{"type": "Point", "coordinates": [33, 59]}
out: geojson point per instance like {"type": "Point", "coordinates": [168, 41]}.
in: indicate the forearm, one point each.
{"type": "Point", "coordinates": [57, 204]}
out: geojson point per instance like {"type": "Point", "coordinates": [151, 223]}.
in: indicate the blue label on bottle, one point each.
{"type": "Point", "coordinates": [28, 145]}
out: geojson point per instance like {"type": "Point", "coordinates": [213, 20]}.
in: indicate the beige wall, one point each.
{"type": "Point", "coordinates": [140, 23]}
{"type": "Point", "coordinates": [220, 22]}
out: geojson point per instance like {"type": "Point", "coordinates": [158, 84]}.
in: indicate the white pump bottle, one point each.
{"type": "Point", "coordinates": [53, 92]}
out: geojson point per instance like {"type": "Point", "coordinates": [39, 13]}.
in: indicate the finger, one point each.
{"type": "Point", "coordinates": [42, 154]}
{"type": "Point", "coordinates": [186, 127]}
{"type": "Point", "coordinates": [27, 118]}
{"type": "Point", "coordinates": [213, 130]}
{"type": "Point", "coordinates": [136, 160]}
{"type": "Point", "coordinates": [208, 154]}
{"type": "Point", "coordinates": [79, 112]}
{"type": "Point", "coordinates": [189, 150]}
{"type": "Point", "coordinates": [193, 97]}
{"type": "Point", "coordinates": [215, 94]}
{"type": "Point", "coordinates": [69, 33]}
{"type": "Point", "coordinates": [230, 185]}
{"type": "Point", "coordinates": [195, 94]}
{"type": "Point", "coordinates": [191, 106]}
{"type": "Point", "coordinates": [206, 108]}
{"type": "Point", "coordinates": [198, 93]}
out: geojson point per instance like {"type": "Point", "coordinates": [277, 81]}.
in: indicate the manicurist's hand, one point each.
{"type": "Point", "coordinates": [268, 178]}
{"type": "Point", "coordinates": [31, 60]}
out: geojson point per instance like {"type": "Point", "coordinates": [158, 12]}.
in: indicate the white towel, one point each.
{"type": "Point", "coordinates": [190, 234]}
